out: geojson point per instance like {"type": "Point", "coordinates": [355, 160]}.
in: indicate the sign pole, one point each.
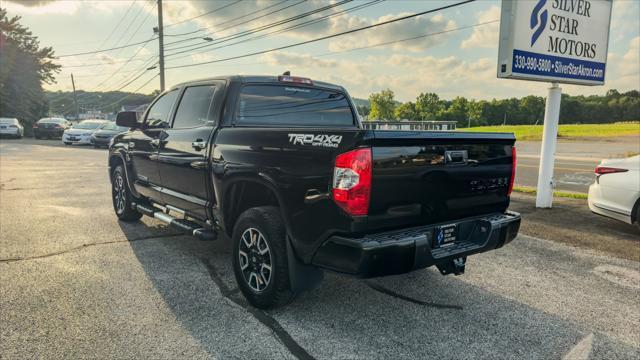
{"type": "Point", "coordinates": [544, 195]}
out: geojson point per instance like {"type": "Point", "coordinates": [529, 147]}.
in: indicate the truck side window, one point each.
{"type": "Point", "coordinates": [195, 107]}
{"type": "Point", "coordinates": [158, 115]}
{"type": "Point", "coordinates": [291, 105]}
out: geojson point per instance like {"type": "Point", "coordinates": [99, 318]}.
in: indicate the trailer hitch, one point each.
{"type": "Point", "coordinates": [454, 266]}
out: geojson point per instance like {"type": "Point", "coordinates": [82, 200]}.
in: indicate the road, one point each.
{"type": "Point", "coordinates": [575, 161]}
{"type": "Point", "coordinates": [76, 283]}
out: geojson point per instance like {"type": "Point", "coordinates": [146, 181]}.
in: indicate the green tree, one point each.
{"type": "Point", "coordinates": [382, 105]}
{"type": "Point", "coordinates": [406, 111]}
{"type": "Point", "coordinates": [429, 106]}
{"type": "Point", "coordinates": [24, 67]}
{"type": "Point", "coordinates": [457, 111]}
{"type": "Point", "coordinates": [531, 109]}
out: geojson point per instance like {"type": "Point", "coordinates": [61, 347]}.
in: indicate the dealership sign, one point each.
{"type": "Point", "coordinates": [554, 40]}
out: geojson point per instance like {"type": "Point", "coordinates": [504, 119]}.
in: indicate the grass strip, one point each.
{"type": "Point", "coordinates": [564, 194]}
{"type": "Point", "coordinates": [566, 131]}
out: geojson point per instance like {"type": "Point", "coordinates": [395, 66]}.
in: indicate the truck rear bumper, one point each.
{"type": "Point", "coordinates": [405, 250]}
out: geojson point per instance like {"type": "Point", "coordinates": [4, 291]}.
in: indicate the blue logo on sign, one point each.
{"type": "Point", "coordinates": [440, 236]}
{"type": "Point", "coordinates": [534, 20]}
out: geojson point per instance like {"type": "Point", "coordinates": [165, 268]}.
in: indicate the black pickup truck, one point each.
{"type": "Point", "coordinates": [283, 166]}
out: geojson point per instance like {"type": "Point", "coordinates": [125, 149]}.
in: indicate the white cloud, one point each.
{"type": "Point", "coordinates": [291, 60]}
{"type": "Point", "coordinates": [42, 7]}
{"type": "Point", "coordinates": [225, 21]}
{"type": "Point", "coordinates": [623, 72]}
{"type": "Point", "coordinates": [417, 26]}
{"type": "Point", "coordinates": [105, 58]}
{"type": "Point", "coordinates": [348, 73]}
{"type": "Point", "coordinates": [484, 36]}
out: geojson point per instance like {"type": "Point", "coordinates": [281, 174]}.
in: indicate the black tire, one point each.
{"type": "Point", "coordinates": [637, 210]}
{"type": "Point", "coordinates": [37, 137]}
{"type": "Point", "coordinates": [67, 143]}
{"type": "Point", "coordinates": [121, 196]}
{"type": "Point", "coordinates": [266, 220]}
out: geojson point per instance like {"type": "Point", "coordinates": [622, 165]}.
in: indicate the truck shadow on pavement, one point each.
{"type": "Point", "coordinates": [416, 315]}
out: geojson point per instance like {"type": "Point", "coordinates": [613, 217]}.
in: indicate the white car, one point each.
{"type": "Point", "coordinates": [616, 191]}
{"type": "Point", "coordinates": [81, 132]}
{"type": "Point", "coordinates": [11, 127]}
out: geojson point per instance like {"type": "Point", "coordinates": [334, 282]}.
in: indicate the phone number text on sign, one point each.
{"type": "Point", "coordinates": [525, 62]}
{"type": "Point", "coordinates": [531, 63]}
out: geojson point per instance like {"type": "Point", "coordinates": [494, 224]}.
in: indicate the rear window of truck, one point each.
{"type": "Point", "coordinates": [290, 105]}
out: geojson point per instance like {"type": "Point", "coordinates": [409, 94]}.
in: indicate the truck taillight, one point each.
{"type": "Point", "coordinates": [352, 181]}
{"type": "Point", "coordinates": [513, 169]}
{"type": "Point", "coordinates": [601, 170]}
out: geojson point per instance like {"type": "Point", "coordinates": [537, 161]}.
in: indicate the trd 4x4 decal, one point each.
{"type": "Point", "coordinates": [331, 141]}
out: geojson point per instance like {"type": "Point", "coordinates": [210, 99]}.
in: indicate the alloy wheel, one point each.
{"type": "Point", "coordinates": [119, 193]}
{"type": "Point", "coordinates": [255, 259]}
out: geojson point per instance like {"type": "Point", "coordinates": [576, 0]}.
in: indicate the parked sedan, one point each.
{"type": "Point", "coordinates": [11, 127]}
{"type": "Point", "coordinates": [81, 132]}
{"type": "Point", "coordinates": [50, 128]}
{"type": "Point", "coordinates": [103, 135]}
{"type": "Point", "coordinates": [616, 191]}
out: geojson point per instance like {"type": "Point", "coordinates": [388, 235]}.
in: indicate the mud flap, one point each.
{"type": "Point", "coordinates": [302, 277]}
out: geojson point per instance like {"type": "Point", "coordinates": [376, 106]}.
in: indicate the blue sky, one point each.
{"type": "Point", "coordinates": [456, 63]}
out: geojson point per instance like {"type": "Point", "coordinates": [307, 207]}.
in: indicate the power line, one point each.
{"type": "Point", "coordinates": [136, 31]}
{"type": "Point", "coordinates": [240, 17]}
{"type": "Point", "coordinates": [135, 17]}
{"type": "Point", "coordinates": [103, 50]}
{"type": "Point", "coordinates": [118, 24]}
{"type": "Point", "coordinates": [296, 26]}
{"type": "Point", "coordinates": [123, 65]}
{"type": "Point", "coordinates": [383, 43]}
{"type": "Point", "coordinates": [203, 14]}
{"type": "Point", "coordinates": [237, 18]}
{"type": "Point", "coordinates": [139, 72]}
{"type": "Point", "coordinates": [100, 64]}
{"type": "Point", "coordinates": [139, 26]}
{"type": "Point", "coordinates": [257, 11]}
{"type": "Point", "coordinates": [408, 39]}
{"type": "Point", "coordinates": [187, 33]}
{"type": "Point", "coordinates": [263, 27]}
{"type": "Point", "coordinates": [326, 37]}
{"type": "Point", "coordinates": [131, 93]}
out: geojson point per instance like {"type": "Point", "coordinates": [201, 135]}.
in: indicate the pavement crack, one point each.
{"type": "Point", "coordinates": [267, 320]}
{"type": "Point", "coordinates": [394, 294]}
{"type": "Point", "coordinates": [84, 246]}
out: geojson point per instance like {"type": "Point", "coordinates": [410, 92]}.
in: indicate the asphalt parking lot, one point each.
{"type": "Point", "coordinates": [76, 283]}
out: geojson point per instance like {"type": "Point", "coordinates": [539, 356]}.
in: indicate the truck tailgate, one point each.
{"type": "Point", "coordinates": [428, 177]}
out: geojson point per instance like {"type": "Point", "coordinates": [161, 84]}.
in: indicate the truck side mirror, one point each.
{"type": "Point", "coordinates": [127, 119]}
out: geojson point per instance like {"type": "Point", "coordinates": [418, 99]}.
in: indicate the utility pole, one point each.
{"type": "Point", "coordinates": [75, 98]}
{"type": "Point", "coordinates": [161, 44]}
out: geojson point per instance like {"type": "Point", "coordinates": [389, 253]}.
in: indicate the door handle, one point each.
{"type": "Point", "coordinates": [198, 145]}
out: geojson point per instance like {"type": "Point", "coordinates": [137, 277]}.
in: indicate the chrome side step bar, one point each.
{"type": "Point", "coordinates": [186, 226]}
